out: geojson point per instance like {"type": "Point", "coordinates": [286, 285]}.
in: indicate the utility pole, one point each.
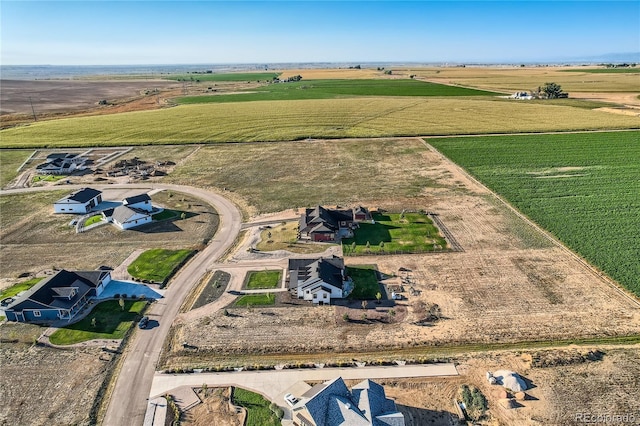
{"type": "Point", "coordinates": [33, 110]}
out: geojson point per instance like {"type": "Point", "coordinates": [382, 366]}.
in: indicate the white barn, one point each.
{"type": "Point", "coordinates": [79, 202]}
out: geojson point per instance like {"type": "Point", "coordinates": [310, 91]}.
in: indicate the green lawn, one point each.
{"type": "Point", "coordinates": [583, 188]}
{"type": "Point", "coordinates": [258, 412]}
{"type": "Point", "coordinates": [229, 77]}
{"type": "Point", "coordinates": [365, 282]}
{"type": "Point", "coordinates": [166, 214]}
{"type": "Point", "coordinates": [263, 279]}
{"type": "Point", "coordinates": [48, 178]}
{"type": "Point", "coordinates": [415, 232]}
{"type": "Point", "coordinates": [93, 219]}
{"type": "Point", "coordinates": [256, 299]}
{"type": "Point", "coordinates": [157, 264]}
{"type": "Point", "coordinates": [111, 323]}
{"type": "Point", "coordinates": [328, 89]}
{"type": "Point", "coordinates": [20, 287]}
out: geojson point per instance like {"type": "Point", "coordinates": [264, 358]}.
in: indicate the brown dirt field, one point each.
{"type": "Point", "coordinates": [332, 73]}
{"type": "Point", "coordinates": [44, 386]}
{"type": "Point", "coordinates": [214, 409]}
{"type": "Point", "coordinates": [509, 285]}
{"type": "Point", "coordinates": [31, 242]}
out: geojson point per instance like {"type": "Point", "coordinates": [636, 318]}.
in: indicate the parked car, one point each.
{"type": "Point", "coordinates": [291, 400]}
{"type": "Point", "coordinates": [143, 322]}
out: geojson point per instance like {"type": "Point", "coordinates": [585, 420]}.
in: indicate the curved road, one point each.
{"type": "Point", "coordinates": [128, 402]}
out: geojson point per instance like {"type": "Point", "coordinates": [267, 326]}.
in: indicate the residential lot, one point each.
{"type": "Point", "coordinates": [35, 239]}
{"type": "Point", "coordinates": [510, 284]}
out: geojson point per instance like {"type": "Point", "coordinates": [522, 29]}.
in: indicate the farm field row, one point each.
{"type": "Point", "coordinates": [581, 187]}
{"type": "Point", "coordinates": [235, 76]}
{"type": "Point", "coordinates": [328, 89]}
{"type": "Point", "coordinates": [318, 118]}
{"type": "Point", "coordinates": [528, 78]}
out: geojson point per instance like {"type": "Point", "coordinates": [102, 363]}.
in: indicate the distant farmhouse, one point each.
{"type": "Point", "coordinates": [61, 296]}
{"type": "Point", "coordinates": [319, 280]}
{"type": "Point", "coordinates": [79, 202]}
{"type": "Point", "coordinates": [330, 225]}
{"type": "Point", "coordinates": [61, 164]}
{"type": "Point", "coordinates": [332, 404]}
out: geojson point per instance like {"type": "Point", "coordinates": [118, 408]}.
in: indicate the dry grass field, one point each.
{"type": "Point", "coordinates": [40, 239]}
{"type": "Point", "coordinates": [511, 79]}
{"type": "Point", "coordinates": [44, 386]}
{"type": "Point", "coordinates": [509, 285]}
{"type": "Point", "coordinates": [334, 74]}
{"type": "Point", "coordinates": [320, 118]}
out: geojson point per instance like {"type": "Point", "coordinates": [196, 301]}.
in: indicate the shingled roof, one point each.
{"type": "Point", "coordinates": [136, 199]}
{"type": "Point", "coordinates": [82, 195]}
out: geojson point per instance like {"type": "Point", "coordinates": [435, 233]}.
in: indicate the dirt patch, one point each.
{"type": "Point", "coordinates": [215, 409]}
{"type": "Point", "coordinates": [41, 385]}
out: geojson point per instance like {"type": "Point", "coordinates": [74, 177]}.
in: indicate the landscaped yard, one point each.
{"type": "Point", "coordinates": [263, 279]}
{"type": "Point", "coordinates": [17, 288]}
{"type": "Point", "coordinates": [111, 322]}
{"type": "Point", "coordinates": [48, 178]}
{"type": "Point", "coordinates": [365, 281]}
{"type": "Point", "coordinates": [285, 237]}
{"type": "Point", "coordinates": [258, 412]}
{"type": "Point", "coordinates": [92, 220]}
{"type": "Point", "coordinates": [166, 214]}
{"type": "Point", "coordinates": [256, 299]}
{"type": "Point", "coordinates": [157, 265]}
{"type": "Point", "coordinates": [395, 232]}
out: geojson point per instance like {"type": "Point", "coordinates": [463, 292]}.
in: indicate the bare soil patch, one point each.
{"type": "Point", "coordinates": [215, 409]}
{"type": "Point", "coordinates": [43, 386]}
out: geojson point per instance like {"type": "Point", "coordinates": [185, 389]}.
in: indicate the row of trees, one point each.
{"type": "Point", "coordinates": [549, 91]}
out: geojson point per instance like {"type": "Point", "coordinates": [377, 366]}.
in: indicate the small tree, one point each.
{"type": "Point", "coordinates": [93, 322]}
{"type": "Point", "coordinates": [368, 246]}
{"type": "Point", "coordinates": [553, 91]}
{"type": "Point", "coordinates": [381, 245]}
{"type": "Point", "coordinates": [378, 297]}
{"type": "Point", "coordinates": [353, 247]}
{"type": "Point", "coordinates": [205, 390]}
{"type": "Point", "coordinates": [183, 216]}
{"type": "Point", "coordinates": [121, 303]}
{"type": "Point", "coordinates": [364, 304]}
{"type": "Point", "coordinates": [345, 317]}
{"type": "Point", "coordinates": [269, 235]}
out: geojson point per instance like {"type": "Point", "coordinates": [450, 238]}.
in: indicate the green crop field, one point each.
{"type": "Point", "coordinates": [318, 118]}
{"type": "Point", "coordinates": [584, 188]}
{"type": "Point", "coordinates": [327, 89]}
{"type": "Point", "coordinates": [234, 76]}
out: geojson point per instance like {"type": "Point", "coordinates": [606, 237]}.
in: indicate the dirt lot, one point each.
{"type": "Point", "coordinates": [34, 378]}
{"type": "Point", "coordinates": [509, 285]}
{"type": "Point", "coordinates": [31, 242]}
{"type": "Point", "coordinates": [214, 409]}
{"type": "Point", "coordinates": [564, 383]}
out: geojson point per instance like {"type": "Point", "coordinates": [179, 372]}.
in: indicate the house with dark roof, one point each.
{"type": "Point", "coordinates": [333, 404]}
{"type": "Point", "coordinates": [321, 224]}
{"type": "Point", "coordinates": [80, 201]}
{"type": "Point", "coordinates": [60, 164]}
{"type": "Point", "coordinates": [61, 296]}
{"type": "Point", "coordinates": [140, 202]}
{"type": "Point", "coordinates": [319, 280]}
{"type": "Point", "coordinates": [125, 217]}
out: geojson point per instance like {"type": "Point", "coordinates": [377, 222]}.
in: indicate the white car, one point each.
{"type": "Point", "coordinates": [291, 400]}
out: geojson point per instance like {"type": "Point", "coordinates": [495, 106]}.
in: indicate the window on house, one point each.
{"type": "Point", "coordinates": [315, 295]}
{"type": "Point", "coordinates": [324, 296]}
{"type": "Point", "coordinates": [36, 313]}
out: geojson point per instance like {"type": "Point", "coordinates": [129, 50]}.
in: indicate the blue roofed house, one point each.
{"type": "Point", "coordinates": [333, 404]}
{"type": "Point", "coordinates": [59, 297]}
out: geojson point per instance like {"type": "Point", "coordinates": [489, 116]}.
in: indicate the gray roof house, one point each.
{"type": "Point", "coordinates": [319, 280]}
{"type": "Point", "coordinates": [125, 217]}
{"type": "Point", "coordinates": [61, 296]}
{"type": "Point", "coordinates": [332, 404]}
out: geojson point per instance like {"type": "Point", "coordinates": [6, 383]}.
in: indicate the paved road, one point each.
{"type": "Point", "coordinates": [274, 383]}
{"type": "Point", "coordinates": [129, 399]}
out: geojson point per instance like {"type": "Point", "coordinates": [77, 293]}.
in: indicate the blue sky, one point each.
{"type": "Point", "coordinates": [166, 32]}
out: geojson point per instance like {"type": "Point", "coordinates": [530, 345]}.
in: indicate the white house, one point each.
{"type": "Point", "coordinates": [319, 280]}
{"type": "Point", "coordinates": [60, 164]}
{"type": "Point", "coordinates": [141, 202]}
{"type": "Point", "coordinates": [126, 217]}
{"type": "Point", "coordinates": [81, 201]}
